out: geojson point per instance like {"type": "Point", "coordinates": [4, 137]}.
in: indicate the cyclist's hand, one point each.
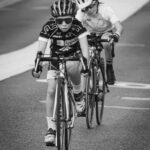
{"type": "Point", "coordinates": [39, 54]}
{"type": "Point", "coordinates": [86, 70]}
{"type": "Point", "coordinates": [37, 73]}
{"type": "Point", "coordinates": [115, 37]}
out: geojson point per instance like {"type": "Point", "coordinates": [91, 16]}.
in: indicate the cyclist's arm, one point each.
{"type": "Point", "coordinates": [118, 28]}
{"type": "Point", "coordinates": [84, 45]}
{"type": "Point", "coordinates": [110, 14]}
{"type": "Point", "coordinates": [38, 66]}
{"type": "Point", "coordinates": [42, 44]}
{"type": "Point", "coordinates": [79, 15]}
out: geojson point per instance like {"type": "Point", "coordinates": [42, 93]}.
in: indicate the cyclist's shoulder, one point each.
{"type": "Point", "coordinates": [80, 15]}
{"type": "Point", "coordinates": [50, 24]}
{"type": "Point", "coordinates": [77, 26]}
{"type": "Point", "coordinates": [105, 8]}
{"type": "Point", "coordinates": [49, 28]}
{"type": "Point", "coordinates": [76, 22]}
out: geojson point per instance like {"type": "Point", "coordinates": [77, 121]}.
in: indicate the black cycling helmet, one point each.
{"type": "Point", "coordinates": [63, 8]}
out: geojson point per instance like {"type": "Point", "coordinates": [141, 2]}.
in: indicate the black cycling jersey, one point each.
{"type": "Point", "coordinates": [63, 43]}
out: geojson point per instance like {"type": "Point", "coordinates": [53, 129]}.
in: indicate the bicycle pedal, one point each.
{"type": "Point", "coordinates": [81, 114]}
{"type": "Point", "coordinates": [50, 144]}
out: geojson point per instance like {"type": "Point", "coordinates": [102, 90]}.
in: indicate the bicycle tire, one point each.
{"type": "Point", "coordinates": [90, 98]}
{"type": "Point", "coordinates": [70, 123]}
{"type": "Point", "coordinates": [100, 97]}
{"type": "Point", "coordinates": [60, 121]}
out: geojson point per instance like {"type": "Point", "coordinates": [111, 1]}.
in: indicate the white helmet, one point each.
{"type": "Point", "coordinates": [83, 3]}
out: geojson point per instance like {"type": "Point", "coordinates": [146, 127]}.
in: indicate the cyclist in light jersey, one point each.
{"type": "Point", "coordinates": [97, 17]}
{"type": "Point", "coordinates": [67, 35]}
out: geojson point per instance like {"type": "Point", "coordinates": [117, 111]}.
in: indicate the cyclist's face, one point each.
{"type": "Point", "coordinates": [64, 23]}
{"type": "Point", "coordinates": [91, 9]}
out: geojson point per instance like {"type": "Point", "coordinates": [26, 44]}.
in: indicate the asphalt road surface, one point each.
{"type": "Point", "coordinates": [126, 120]}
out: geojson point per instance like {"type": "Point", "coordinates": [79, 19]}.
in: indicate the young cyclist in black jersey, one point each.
{"type": "Point", "coordinates": [66, 35]}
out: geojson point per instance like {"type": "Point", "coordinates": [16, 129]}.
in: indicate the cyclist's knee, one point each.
{"type": "Point", "coordinates": [73, 67]}
{"type": "Point", "coordinates": [51, 74]}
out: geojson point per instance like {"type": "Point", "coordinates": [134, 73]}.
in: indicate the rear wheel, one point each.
{"type": "Point", "coordinates": [90, 97]}
{"type": "Point", "coordinates": [68, 131]}
{"type": "Point", "coordinates": [100, 94]}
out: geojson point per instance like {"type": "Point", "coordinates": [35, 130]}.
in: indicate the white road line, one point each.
{"type": "Point", "coordinates": [43, 101]}
{"type": "Point", "coordinates": [127, 108]}
{"type": "Point", "coordinates": [123, 98]}
{"type": "Point", "coordinates": [42, 80]}
{"type": "Point", "coordinates": [131, 85]}
{"type": "Point", "coordinates": [119, 84]}
{"type": "Point", "coordinates": [131, 45]}
{"type": "Point", "coordinates": [116, 107]}
{"type": "Point", "coordinates": [136, 98]}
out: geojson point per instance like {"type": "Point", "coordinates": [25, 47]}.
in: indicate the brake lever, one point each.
{"type": "Point", "coordinates": [39, 54]}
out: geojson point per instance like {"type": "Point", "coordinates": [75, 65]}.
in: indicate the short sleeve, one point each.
{"type": "Point", "coordinates": [48, 29]}
{"type": "Point", "coordinates": [79, 15]}
{"type": "Point", "coordinates": [111, 14]}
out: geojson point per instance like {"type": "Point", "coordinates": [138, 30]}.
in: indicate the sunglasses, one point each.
{"type": "Point", "coordinates": [67, 20]}
{"type": "Point", "coordinates": [88, 7]}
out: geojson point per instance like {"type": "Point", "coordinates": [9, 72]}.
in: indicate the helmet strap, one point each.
{"type": "Point", "coordinates": [97, 6]}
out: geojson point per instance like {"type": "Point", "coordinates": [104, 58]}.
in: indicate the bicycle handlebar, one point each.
{"type": "Point", "coordinates": [41, 58]}
{"type": "Point", "coordinates": [61, 59]}
{"type": "Point", "coordinates": [96, 38]}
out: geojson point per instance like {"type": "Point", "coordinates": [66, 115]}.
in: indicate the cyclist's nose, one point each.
{"type": "Point", "coordinates": [63, 23]}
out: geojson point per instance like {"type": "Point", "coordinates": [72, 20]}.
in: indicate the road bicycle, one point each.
{"type": "Point", "coordinates": [96, 85]}
{"type": "Point", "coordinates": [64, 106]}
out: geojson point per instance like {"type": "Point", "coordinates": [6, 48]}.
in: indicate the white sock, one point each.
{"type": "Point", "coordinates": [51, 123]}
{"type": "Point", "coordinates": [76, 88]}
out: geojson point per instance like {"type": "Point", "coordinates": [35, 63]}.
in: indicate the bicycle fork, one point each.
{"type": "Point", "coordinates": [64, 104]}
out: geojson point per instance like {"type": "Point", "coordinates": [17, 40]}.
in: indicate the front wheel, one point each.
{"type": "Point", "coordinates": [61, 126]}
{"type": "Point", "coordinates": [100, 94]}
{"type": "Point", "coordinates": [70, 122]}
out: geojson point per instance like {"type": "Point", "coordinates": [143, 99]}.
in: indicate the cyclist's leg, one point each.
{"type": "Point", "coordinates": [50, 135]}
{"type": "Point", "coordinates": [109, 60]}
{"type": "Point", "coordinates": [74, 70]}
